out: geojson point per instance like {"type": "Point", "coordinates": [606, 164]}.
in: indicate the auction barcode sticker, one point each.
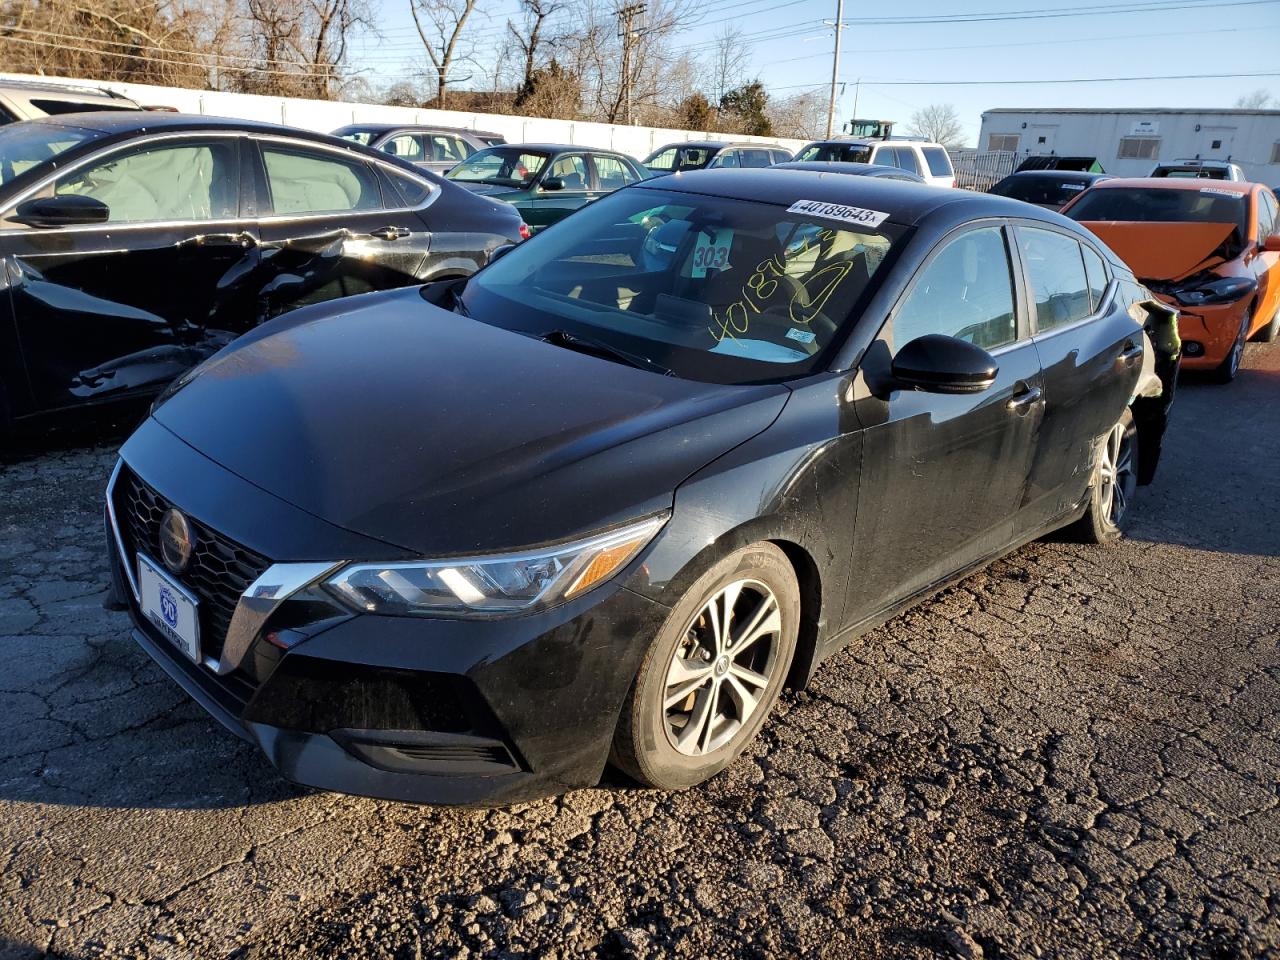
{"type": "Point", "coordinates": [1220, 192]}
{"type": "Point", "coordinates": [838, 211]}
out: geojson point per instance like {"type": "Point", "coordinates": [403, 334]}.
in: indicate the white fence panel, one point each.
{"type": "Point", "coordinates": [328, 115]}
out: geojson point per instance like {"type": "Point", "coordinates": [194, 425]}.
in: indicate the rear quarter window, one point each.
{"type": "Point", "coordinates": [939, 162]}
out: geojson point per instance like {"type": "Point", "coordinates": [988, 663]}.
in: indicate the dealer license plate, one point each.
{"type": "Point", "coordinates": [171, 609]}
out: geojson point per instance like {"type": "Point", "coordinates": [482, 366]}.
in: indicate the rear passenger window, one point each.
{"type": "Point", "coordinates": [407, 146]}
{"type": "Point", "coordinates": [965, 292]}
{"type": "Point", "coordinates": [907, 159]}
{"type": "Point", "coordinates": [448, 149]}
{"type": "Point", "coordinates": [612, 173]}
{"type": "Point", "coordinates": [1056, 271]}
{"type": "Point", "coordinates": [755, 158]}
{"type": "Point", "coordinates": [305, 182]}
{"type": "Point", "coordinates": [1096, 273]}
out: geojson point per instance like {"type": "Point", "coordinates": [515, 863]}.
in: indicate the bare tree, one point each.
{"type": "Point", "coordinates": [730, 61]}
{"type": "Point", "coordinates": [446, 20]}
{"type": "Point", "coordinates": [528, 40]}
{"type": "Point", "coordinates": [800, 117]}
{"type": "Point", "coordinates": [938, 122]}
{"type": "Point", "coordinates": [147, 41]}
{"type": "Point", "coordinates": [1258, 99]}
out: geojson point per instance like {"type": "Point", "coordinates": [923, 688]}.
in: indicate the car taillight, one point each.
{"type": "Point", "coordinates": [525, 232]}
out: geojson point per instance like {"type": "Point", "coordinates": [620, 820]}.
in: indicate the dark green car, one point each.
{"type": "Point", "coordinates": [546, 181]}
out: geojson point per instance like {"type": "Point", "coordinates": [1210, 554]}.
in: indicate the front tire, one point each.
{"type": "Point", "coordinates": [1114, 483]}
{"type": "Point", "coordinates": [1227, 370]}
{"type": "Point", "coordinates": [713, 672]}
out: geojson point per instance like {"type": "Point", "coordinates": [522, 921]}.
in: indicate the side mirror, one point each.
{"type": "Point", "coordinates": [553, 183]}
{"type": "Point", "coordinates": [497, 253]}
{"type": "Point", "coordinates": [1272, 243]}
{"type": "Point", "coordinates": [64, 211]}
{"type": "Point", "coordinates": [938, 364]}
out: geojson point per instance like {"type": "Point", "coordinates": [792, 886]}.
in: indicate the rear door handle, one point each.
{"type": "Point", "coordinates": [389, 233]}
{"type": "Point", "coordinates": [1131, 354]}
{"type": "Point", "coordinates": [1022, 402]}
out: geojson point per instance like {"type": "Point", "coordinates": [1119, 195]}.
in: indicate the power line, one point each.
{"type": "Point", "coordinates": [302, 71]}
{"type": "Point", "coordinates": [983, 83]}
{"type": "Point", "coordinates": [1029, 43]}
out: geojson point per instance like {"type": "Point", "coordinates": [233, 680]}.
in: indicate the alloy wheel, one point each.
{"type": "Point", "coordinates": [721, 667]}
{"type": "Point", "coordinates": [1116, 474]}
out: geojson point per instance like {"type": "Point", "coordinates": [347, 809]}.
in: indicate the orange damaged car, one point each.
{"type": "Point", "coordinates": [1209, 248]}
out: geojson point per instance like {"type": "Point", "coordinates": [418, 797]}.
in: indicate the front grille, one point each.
{"type": "Point", "coordinates": [220, 570]}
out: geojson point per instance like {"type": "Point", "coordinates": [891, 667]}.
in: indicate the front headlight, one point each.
{"type": "Point", "coordinates": [1222, 290]}
{"type": "Point", "coordinates": [492, 585]}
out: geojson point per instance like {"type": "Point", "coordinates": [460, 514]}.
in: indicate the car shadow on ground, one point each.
{"type": "Point", "coordinates": [1190, 506]}
{"type": "Point", "coordinates": [105, 727]}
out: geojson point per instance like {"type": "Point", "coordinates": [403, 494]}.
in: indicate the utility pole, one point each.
{"type": "Point", "coordinates": [630, 33]}
{"type": "Point", "coordinates": [835, 67]}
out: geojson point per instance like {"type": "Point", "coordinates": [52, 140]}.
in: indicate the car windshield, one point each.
{"type": "Point", "coordinates": [1051, 191]}
{"type": "Point", "coordinates": [507, 166]}
{"type": "Point", "coordinates": [27, 145]}
{"type": "Point", "coordinates": [841, 152]}
{"type": "Point", "coordinates": [712, 289]}
{"type": "Point", "coordinates": [1156, 205]}
{"type": "Point", "coordinates": [364, 137]}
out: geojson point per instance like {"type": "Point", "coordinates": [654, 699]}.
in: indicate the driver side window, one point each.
{"type": "Point", "coordinates": [165, 182]}
{"type": "Point", "coordinates": [965, 292]}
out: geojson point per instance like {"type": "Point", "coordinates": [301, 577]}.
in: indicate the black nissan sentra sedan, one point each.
{"type": "Point", "coordinates": [470, 542]}
{"type": "Point", "coordinates": [133, 245]}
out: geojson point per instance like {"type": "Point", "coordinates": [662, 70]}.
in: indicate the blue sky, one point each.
{"type": "Point", "coordinates": [790, 50]}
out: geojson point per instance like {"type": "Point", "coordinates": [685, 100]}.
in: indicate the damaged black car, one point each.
{"type": "Point", "coordinates": [134, 245]}
{"type": "Point", "coordinates": [600, 502]}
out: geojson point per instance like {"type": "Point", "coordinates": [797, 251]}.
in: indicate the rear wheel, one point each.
{"type": "Point", "coordinates": [713, 672]}
{"type": "Point", "coordinates": [1114, 484]}
{"type": "Point", "coordinates": [1227, 370]}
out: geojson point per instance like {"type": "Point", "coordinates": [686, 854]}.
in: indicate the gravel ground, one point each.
{"type": "Point", "coordinates": [1072, 754]}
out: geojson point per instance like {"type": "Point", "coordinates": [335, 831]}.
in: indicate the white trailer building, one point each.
{"type": "Point", "coordinates": [1129, 143]}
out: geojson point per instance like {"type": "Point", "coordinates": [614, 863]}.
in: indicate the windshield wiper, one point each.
{"type": "Point", "coordinates": [573, 341]}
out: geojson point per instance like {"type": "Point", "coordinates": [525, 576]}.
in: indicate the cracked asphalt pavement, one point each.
{"type": "Point", "coordinates": [1074, 753]}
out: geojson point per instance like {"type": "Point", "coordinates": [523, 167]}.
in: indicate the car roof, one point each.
{"type": "Point", "coordinates": [1167, 183]}
{"type": "Point", "coordinates": [137, 121]}
{"type": "Point", "coordinates": [119, 125]}
{"type": "Point", "coordinates": [719, 144]}
{"type": "Point", "coordinates": [906, 203]}
{"type": "Point", "coordinates": [558, 148]}
{"type": "Point", "coordinates": [384, 127]}
{"type": "Point", "coordinates": [69, 90]}
{"type": "Point", "coordinates": [872, 141]}
{"type": "Point", "coordinates": [850, 168]}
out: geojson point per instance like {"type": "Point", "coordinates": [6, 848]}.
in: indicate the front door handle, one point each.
{"type": "Point", "coordinates": [1022, 402]}
{"type": "Point", "coordinates": [1131, 354]}
{"type": "Point", "coordinates": [389, 233]}
{"type": "Point", "coordinates": [242, 239]}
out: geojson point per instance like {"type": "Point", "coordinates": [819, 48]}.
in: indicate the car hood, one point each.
{"type": "Point", "coordinates": [1162, 251]}
{"type": "Point", "coordinates": [395, 419]}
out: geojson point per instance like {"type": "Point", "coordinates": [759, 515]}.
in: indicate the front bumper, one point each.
{"type": "Point", "coordinates": [1212, 327]}
{"type": "Point", "coordinates": [418, 710]}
